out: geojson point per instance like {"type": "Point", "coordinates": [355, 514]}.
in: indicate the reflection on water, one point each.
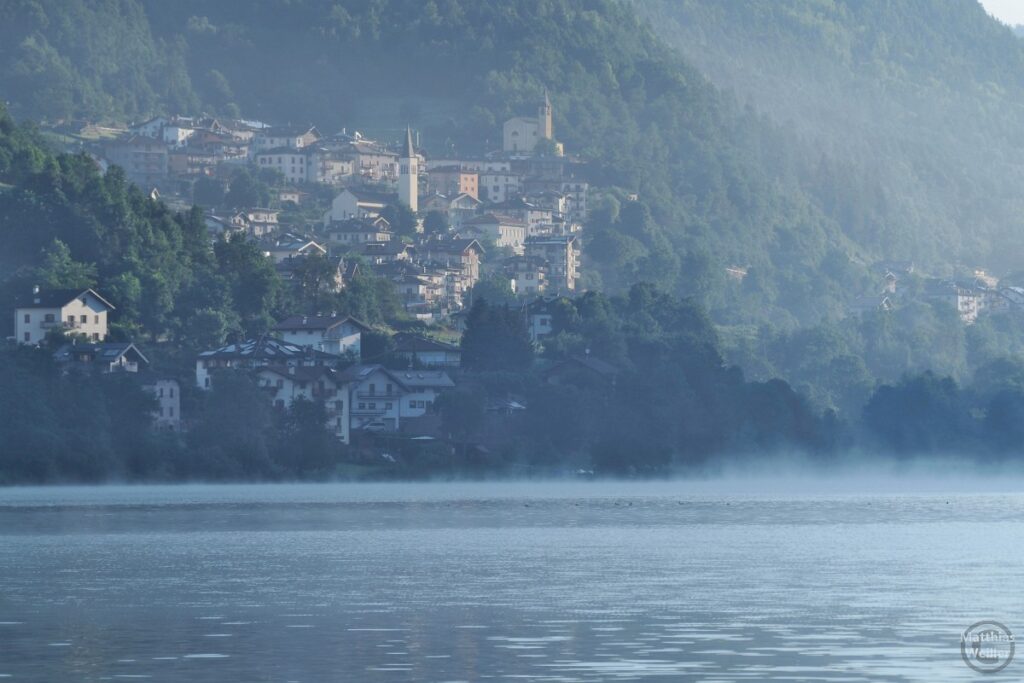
{"type": "Point", "coordinates": [481, 582]}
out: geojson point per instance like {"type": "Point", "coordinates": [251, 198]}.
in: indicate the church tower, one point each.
{"type": "Point", "coordinates": [409, 174]}
{"type": "Point", "coordinates": [547, 130]}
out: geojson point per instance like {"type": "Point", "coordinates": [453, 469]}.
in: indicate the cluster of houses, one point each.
{"type": "Point", "coordinates": [514, 214]}
{"type": "Point", "coordinates": [318, 358]}
{"type": "Point", "coordinates": [971, 297]}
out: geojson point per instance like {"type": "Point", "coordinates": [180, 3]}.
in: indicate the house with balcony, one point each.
{"type": "Point", "coordinates": [348, 233]}
{"type": "Point", "coordinates": [562, 253]}
{"type": "Point", "coordinates": [103, 357]}
{"type": "Point", "coordinates": [287, 383]}
{"type": "Point", "coordinates": [380, 398]}
{"type": "Point", "coordinates": [72, 311]}
{"type": "Point", "coordinates": [463, 255]}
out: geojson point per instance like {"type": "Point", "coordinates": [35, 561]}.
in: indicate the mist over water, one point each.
{"type": "Point", "coordinates": [726, 578]}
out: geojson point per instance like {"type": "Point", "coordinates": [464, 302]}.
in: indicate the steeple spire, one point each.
{"type": "Point", "coordinates": [408, 152]}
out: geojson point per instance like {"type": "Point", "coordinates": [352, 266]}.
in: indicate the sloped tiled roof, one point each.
{"type": "Point", "coordinates": [265, 348]}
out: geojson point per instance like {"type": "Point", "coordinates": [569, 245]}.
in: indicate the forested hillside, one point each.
{"type": "Point", "coordinates": [722, 187]}
{"type": "Point", "coordinates": [917, 107]}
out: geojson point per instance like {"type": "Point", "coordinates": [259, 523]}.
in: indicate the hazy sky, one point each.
{"type": "Point", "coordinates": [1010, 11]}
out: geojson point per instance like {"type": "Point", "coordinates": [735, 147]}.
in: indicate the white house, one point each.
{"type": "Point", "coordinates": [292, 163]}
{"type": "Point", "coordinates": [357, 203]}
{"type": "Point", "coordinates": [150, 128]}
{"type": "Point", "coordinates": [503, 230]}
{"type": "Point", "coordinates": [291, 246]}
{"type": "Point", "coordinates": [318, 384]}
{"type": "Point", "coordinates": [168, 397]}
{"type": "Point", "coordinates": [74, 311]}
{"type": "Point", "coordinates": [539, 322]}
{"type": "Point", "coordinates": [380, 398]}
{"type": "Point", "coordinates": [295, 137]}
{"type": "Point", "coordinates": [330, 334]}
{"type": "Point", "coordinates": [499, 186]}
{"type": "Point", "coordinates": [358, 231]}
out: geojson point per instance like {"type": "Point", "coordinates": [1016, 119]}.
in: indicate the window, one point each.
{"type": "Point", "coordinates": [170, 412]}
{"type": "Point", "coordinates": [412, 404]}
{"type": "Point", "coordinates": [96, 319]}
{"type": "Point", "coordinates": [83, 319]}
{"type": "Point", "coordinates": [389, 405]}
{"type": "Point", "coordinates": [161, 412]}
{"type": "Point", "coordinates": [362, 406]}
{"type": "Point", "coordinates": [373, 388]}
{"type": "Point", "coordinates": [206, 383]}
{"type": "Point", "coordinates": [160, 392]}
{"type": "Point", "coordinates": [280, 383]}
{"type": "Point", "coordinates": [95, 336]}
{"type": "Point", "coordinates": [49, 317]}
{"type": "Point", "coordinates": [28, 318]}
{"type": "Point", "coordinates": [171, 392]}
{"type": "Point", "coordinates": [28, 336]}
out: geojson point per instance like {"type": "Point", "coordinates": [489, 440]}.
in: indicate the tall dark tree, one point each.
{"type": "Point", "coordinates": [496, 339]}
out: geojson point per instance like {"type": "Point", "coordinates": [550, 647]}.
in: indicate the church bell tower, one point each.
{"type": "Point", "coordinates": [408, 174]}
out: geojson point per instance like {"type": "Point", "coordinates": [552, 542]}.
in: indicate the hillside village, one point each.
{"type": "Point", "coordinates": [432, 227]}
{"type": "Point", "coordinates": [343, 205]}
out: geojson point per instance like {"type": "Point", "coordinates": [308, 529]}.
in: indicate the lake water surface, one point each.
{"type": "Point", "coordinates": [509, 582]}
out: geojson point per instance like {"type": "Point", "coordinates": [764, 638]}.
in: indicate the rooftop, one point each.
{"type": "Point", "coordinates": [317, 322]}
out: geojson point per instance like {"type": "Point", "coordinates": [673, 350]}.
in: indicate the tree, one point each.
{"type": "Point", "coordinates": [462, 412]}
{"type": "Point", "coordinates": [304, 446]}
{"type": "Point", "coordinates": [494, 289]}
{"type": "Point", "coordinates": [436, 223]}
{"type": "Point", "coordinates": [208, 192]}
{"type": "Point", "coordinates": [401, 218]}
{"type": "Point", "coordinates": [251, 279]}
{"type": "Point", "coordinates": [920, 414]}
{"type": "Point", "coordinates": [495, 339]}
{"type": "Point", "coordinates": [60, 271]}
{"type": "Point", "coordinates": [246, 191]}
{"type": "Point", "coordinates": [316, 276]}
{"type": "Point", "coordinates": [230, 438]}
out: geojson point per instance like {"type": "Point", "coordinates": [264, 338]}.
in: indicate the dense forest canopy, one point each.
{"type": "Point", "coordinates": [918, 106]}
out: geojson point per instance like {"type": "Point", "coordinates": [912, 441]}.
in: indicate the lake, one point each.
{"type": "Point", "coordinates": [579, 581]}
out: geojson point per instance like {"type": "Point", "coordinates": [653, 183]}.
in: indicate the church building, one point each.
{"type": "Point", "coordinates": [520, 134]}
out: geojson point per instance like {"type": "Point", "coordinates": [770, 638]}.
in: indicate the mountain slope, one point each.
{"type": "Point", "coordinates": [918, 104]}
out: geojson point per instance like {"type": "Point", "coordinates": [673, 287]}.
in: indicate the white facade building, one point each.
{"type": "Point", "coordinates": [334, 335]}
{"type": "Point", "coordinates": [79, 312]}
